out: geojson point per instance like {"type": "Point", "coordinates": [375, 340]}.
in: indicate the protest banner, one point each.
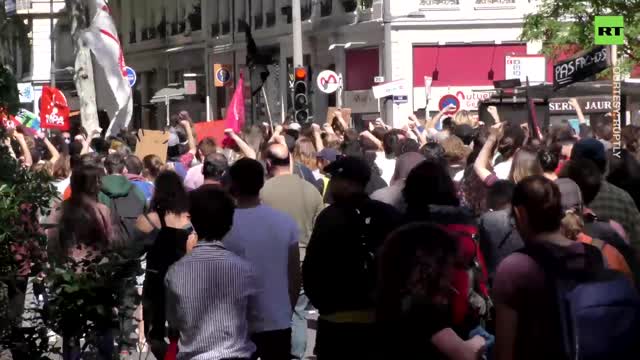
{"type": "Point", "coordinates": [152, 142]}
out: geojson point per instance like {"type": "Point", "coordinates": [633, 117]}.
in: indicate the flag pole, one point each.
{"type": "Point", "coordinates": [266, 101]}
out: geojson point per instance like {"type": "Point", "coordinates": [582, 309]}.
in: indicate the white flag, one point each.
{"type": "Point", "coordinates": [102, 38]}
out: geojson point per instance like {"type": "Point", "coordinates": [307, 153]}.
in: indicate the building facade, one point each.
{"type": "Point", "coordinates": [463, 45]}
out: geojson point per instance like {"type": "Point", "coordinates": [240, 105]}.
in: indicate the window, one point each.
{"type": "Point", "coordinates": [258, 18]}
{"type": "Point", "coordinates": [270, 12]}
{"type": "Point", "coordinates": [326, 7]}
{"type": "Point", "coordinates": [194, 14]}
{"type": "Point", "coordinates": [241, 15]}
{"type": "Point", "coordinates": [215, 21]}
{"type": "Point", "coordinates": [494, 2]}
{"type": "Point", "coordinates": [365, 4]}
{"type": "Point", "coordinates": [439, 2]}
{"type": "Point", "coordinates": [306, 8]}
{"type": "Point", "coordinates": [224, 14]}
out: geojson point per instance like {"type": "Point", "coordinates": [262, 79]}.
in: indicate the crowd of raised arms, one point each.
{"type": "Point", "coordinates": [444, 239]}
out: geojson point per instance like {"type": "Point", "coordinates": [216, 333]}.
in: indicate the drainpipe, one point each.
{"type": "Point", "coordinates": [387, 59]}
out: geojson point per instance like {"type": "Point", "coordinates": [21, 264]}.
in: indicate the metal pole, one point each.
{"type": "Point", "coordinates": [296, 15]}
{"type": "Point", "coordinates": [266, 101]}
{"type": "Point", "coordinates": [388, 56]}
{"type": "Point", "coordinates": [53, 46]}
{"type": "Point", "coordinates": [339, 93]}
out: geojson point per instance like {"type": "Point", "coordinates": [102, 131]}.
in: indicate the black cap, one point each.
{"type": "Point", "coordinates": [590, 149]}
{"type": "Point", "coordinates": [350, 168]}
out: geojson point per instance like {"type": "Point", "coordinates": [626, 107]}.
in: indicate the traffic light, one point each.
{"type": "Point", "coordinates": [300, 96]}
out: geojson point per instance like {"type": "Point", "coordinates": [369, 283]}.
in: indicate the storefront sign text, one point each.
{"type": "Point", "coordinates": [589, 105]}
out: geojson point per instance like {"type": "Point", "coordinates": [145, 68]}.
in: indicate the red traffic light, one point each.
{"type": "Point", "coordinates": [301, 73]}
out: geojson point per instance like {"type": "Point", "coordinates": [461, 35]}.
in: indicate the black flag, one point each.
{"type": "Point", "coordinates": [256, 62]}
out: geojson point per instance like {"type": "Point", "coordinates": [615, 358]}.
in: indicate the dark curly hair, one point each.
{"type": "Point", "coordinates": [169, 195]}
{"type": "Point", "coordinates": [414, 267]}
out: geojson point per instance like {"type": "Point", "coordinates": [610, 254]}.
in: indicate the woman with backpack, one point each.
{"type": "Point", "coordinates": [168, 236]}
{"type": "Point", "coordinates": [430, 195]}
{"type": "Point", "coordinates": [414, 311]}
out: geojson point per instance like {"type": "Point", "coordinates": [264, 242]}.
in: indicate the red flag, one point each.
{"type": "Point", "coordinates": [54, 111]}
{"type": "Point", "coordinates": [235, 112]}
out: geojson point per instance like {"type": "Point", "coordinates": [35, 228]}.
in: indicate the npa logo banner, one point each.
{"type": "Point", "coordinates": [609, 30]}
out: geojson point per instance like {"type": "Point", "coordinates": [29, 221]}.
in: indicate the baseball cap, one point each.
{"type": "Point", "coordinates": [571, 197]}
{"type": "Point", "coordinates": [590, 149]}
{"type": "Point", "coordinates": [350, 168]}
{"type": "Point", "coordinates": [328, 154]}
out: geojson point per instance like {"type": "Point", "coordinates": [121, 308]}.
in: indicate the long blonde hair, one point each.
{"type": "Point", "coordinates": [525, 164]}
{"type": "Point", "coordinates": [305, 153]}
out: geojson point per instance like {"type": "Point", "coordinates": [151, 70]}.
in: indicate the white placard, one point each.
{"type": "Point", "coordinates": [398, 87]}
{"type": "Point", "coordinates": [328, 81]}
{"type": "Point", "coordinates": [428, 80]}
{"type": "Point", "coordinates": [25, 91]}
{"type": "Point", "coordinates": [519, 67]}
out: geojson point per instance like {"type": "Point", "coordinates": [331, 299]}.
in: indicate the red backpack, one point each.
{"type": "Point", "coordinates": [471, 302]}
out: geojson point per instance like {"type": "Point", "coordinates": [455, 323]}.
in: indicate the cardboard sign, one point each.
{"type": "Point", "coordinates": [346, 114]}
{"type": "Point", "coordinates": [152, 142]}
{"type": "Point", "coordinates": [214, 129]}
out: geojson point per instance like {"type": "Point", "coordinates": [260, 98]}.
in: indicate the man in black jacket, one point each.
{"type": "Point", "coordinates": [339, 271]}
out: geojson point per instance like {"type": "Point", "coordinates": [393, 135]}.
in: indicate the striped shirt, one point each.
{"type": "Point", "coordinates": [211, 300]}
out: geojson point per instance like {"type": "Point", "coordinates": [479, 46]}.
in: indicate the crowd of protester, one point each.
{"type": "Point", "coordinates": [444, 239]}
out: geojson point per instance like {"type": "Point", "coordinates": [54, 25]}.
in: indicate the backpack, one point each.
{"type": "Point", "coordinates": [125, 211]}
{"type": "Point", "coordinates": [471, 304]}
{"type": "Point", "coordinates": [598, 309]}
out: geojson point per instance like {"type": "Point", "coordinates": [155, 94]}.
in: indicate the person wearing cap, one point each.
{"type": "Point", "coordinates": [325, 157]}
{"type": "Point", "coordinates": [392, 194]}
{"type": "Point", "coordinates": [611, 202]}
{"type": "Point", "coordinates": [339, 271]}
{"type": "Point", "coordinates": [181, 148]}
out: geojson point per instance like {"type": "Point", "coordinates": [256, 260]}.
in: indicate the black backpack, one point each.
{"type": "Point", "coordinates": [125, 211]}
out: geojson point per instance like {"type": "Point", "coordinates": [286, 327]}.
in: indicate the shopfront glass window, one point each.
{"type": "Point", "coordinates": [258, 17]}
{"type": "Point", "coordinates": [224, 16]}
{"type": "Point", "coordinates": [270, 12]}
{"type": "Point", "coordinates": [439, 2]}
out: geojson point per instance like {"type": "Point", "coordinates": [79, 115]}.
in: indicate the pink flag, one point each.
{"type": "Point", "coordinates": [235, 112]}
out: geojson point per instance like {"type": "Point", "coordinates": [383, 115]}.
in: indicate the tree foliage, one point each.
{"type": "Point", "coordinates": [562, 23]}
{"type": "Point", "coordinates": [85, 298]}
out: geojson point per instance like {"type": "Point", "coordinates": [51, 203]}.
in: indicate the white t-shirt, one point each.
{"type": "Point", "coordinates": [386, 165]}
{"type": "Point", "coordinates": [263, 236]}
{"type": "Point", "coordinates": [503, 169]}
{"type": "Point", "coordinates": [194, 178]}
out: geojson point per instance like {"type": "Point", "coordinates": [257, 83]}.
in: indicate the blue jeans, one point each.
{"type": "Point", "coordinates": [299, 328]}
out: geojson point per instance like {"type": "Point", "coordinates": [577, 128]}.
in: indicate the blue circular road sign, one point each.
{"type": "Point", "coordinates": [132, 77]}
{"type": "Point", "coordinates": [223, 75]}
